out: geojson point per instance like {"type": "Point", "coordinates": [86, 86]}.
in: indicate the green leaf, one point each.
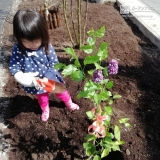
{"type": "Point", "coordinates": [68, 70]}
{"type": "Point", "coordinates": [83, 94]}
{"type": "Point", "coordinates": [87, 49]}
{"type": "Point", "coordinates": [109, 85]}
{"type": "Point", "coordinates": [119, 143]}
{"type": "Point", "coordinates": [109, 93]}
{"type": "Point", "coordinates": [109, 135]}
{"type": "Point", "coordinates": [110, 102]}
{"type": "Point", "coordinates": [59, 66]}
{"type": "Point", "coordinates": [77, 76]}
{"type": "Point", "coordinates": [105, 71]}
{"type": "Point", "coordinates": [100, 97]}
{"type": "Point", "coordinates": [107, 122]}
{"type": "Point", "coordinates": [103, 46]}
{"type": "Point", "coordinates": [97, 157]}
{"type": "Point", "coordinates": [104, 81]}
{"type": "Point", "coordinates": [77, 64]}
{"type": "Point", "coordinates": [105, 152]}
{"type": "Point", "coordinates": [124, 120]}
{"type": "Point", "coordinates": [101, 143]}
{"type": "Point", "coordinates": [91, 41]}
{"type": "Point", "coordinates": [90, 72]}
{"type": "Point", "coordinates": [108, 110]}
{"type": "Point", "coordinates": [115, 148]}
{"type": "Point", "coordinates": [88, 151]}
{"type": "Point", "coordinates": [103, 52]}
{"type": "Point", "coordinates": [90, 86]}
{"type": "Point", "coordinates": [71, 52]}
{"type": "Point", "coordinates": [91, 60]}
{"type": "Point", "coordinates": [90, 114]}
{"type": "Point", "coordinates": [117, 132]}
{"type": "Point", "coordinates": [97, 99]}
{"type": "Point", "coordinates": [116, 96]}
{"type": "Point", "coordinates": [98, 66]}
{"type": "Point", "coordinates": [100, 32]}
{"type": "Point", "coordinates": [91, 32]}
{"type": "Point", "coordinates": [103, 96]}
{"type": "Point", "coordinates": [128, 125]}
{"type": "Point", "coordinates": [90, 137]}
{"type": "Point", "coordinates": [107, 139]}
{"type": "Point", "coordinates": [86, 145]}
{"type": "Point", "coordinates": [90, 148]}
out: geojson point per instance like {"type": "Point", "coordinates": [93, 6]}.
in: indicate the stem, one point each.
{"type": "Point", "coordinates": [66, 22]}
{"type": "Point", "coordinates": [85, 23]}
{"type": "Point", "coordinates": [90, 157]}
{"type": "Point", "coordinates": [73, 24]}
{"type": "Point", "coordinates": [79, 21]}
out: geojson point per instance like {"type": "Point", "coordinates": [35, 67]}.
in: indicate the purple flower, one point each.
{"type": "Point", "coordinates": [97, 76]}
{"type": "Point", "coordinates": [113, 67]}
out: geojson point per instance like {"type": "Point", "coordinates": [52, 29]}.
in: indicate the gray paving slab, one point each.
{"type": "Point", "coordinates": [155, 4]}
{"type": "Point", "coordinates": [5, 6]}
{"type": "Point", "coordinates": [144, 17]}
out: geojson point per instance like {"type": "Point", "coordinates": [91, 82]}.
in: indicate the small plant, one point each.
{"type": "Point", "coordinates": [103, 137]}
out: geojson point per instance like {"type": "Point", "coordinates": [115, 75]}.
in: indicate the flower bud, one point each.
{"type": "Point", "coordinates": [113, 67]}
{"type": "Point", "coordinates": [97, 76]}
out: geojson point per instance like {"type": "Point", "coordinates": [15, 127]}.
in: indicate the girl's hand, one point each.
{"type": "Point", "coordinates": [43, 80]}
{"type": "Point", "coordinates": [36, 84]}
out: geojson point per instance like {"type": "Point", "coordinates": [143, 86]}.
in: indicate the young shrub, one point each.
{"type": "Point", "coordinates": [103, 137]}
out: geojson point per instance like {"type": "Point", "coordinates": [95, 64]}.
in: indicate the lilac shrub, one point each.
{"type": "Point", "coordinates": [103, 137]}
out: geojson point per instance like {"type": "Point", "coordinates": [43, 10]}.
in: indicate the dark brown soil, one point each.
{"type": "Point", "coordinates": [61, 138]}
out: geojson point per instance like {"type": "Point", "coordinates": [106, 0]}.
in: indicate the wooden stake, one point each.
{"type": "Point", "coordinates": [54, 20]}
{"type": "Point", "coordinates": [50, 21]}
{"type": "Point", "coordinates": [58, 17]}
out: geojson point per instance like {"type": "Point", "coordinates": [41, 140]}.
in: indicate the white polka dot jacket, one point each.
{"type": "Point", "coordinates": [29, 61]}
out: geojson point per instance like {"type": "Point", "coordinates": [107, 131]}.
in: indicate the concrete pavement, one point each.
{"type": "Point", "coordinates": [5, 6]}
{"type": "Point", "coordinates": [143, 16]}
{"type": "Point", "coordinates": [153, 3]}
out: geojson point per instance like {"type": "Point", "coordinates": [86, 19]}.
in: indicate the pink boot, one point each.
{"type": "Point", "coordinates": [45, 113]}
{"type": "Point", "coordinates": [43, 102]}
{"type": "Point", "coordinates": [66, 98]}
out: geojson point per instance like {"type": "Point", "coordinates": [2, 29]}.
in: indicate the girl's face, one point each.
{"type": "Point", "coordinates": [33, 45]}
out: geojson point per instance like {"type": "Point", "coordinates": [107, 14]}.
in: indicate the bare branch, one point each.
{"type": "Point", "coordinates": [85, 23]}
{"type": "Point", "coordinates": [66, 21]}
{"type": "Point", "coordinates": [73, 24]}
{"type": "Point", "coordinates": [79, 21]}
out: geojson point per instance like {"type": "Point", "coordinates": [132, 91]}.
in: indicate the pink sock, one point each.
{"type": "Point", "coordinates": [66, 98]}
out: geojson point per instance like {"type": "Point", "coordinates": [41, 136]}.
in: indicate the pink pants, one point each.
{"type": "Point", "coordinates": [43, 99]}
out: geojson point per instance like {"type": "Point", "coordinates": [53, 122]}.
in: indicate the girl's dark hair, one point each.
{"type": "Point", "coordinates": [29, 24]}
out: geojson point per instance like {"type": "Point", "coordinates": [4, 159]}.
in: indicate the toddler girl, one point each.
{"type": "Point", "coordinates": [34, 58]}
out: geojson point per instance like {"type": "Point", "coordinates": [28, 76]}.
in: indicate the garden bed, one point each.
{"type": "Point", "coordinates": [63, 135]}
